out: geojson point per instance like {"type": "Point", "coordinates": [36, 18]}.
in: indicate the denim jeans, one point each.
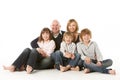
{"type": "Point", "coordinates": [22, 58]}
{"type": "Point", "coordinates": [103, 69]}
{"type": "Point", "coordinates": [61, 60]}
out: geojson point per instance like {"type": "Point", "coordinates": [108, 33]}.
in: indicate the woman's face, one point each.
{"type": "Point", "coordinates": [72, 27]}
{"type": "Point", "coordinates": [45, 36]}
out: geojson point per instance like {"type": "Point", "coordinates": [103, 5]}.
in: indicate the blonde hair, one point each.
{"type": "Point", "coordinates": [68, 34]}
{"type": "Point", "coordinates": [69, 22]}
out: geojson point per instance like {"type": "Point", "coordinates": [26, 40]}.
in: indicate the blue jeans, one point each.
{"type": "Point", "coordinates": [61, 60]}
{"type": "Point", "coordinates": [103, 69]}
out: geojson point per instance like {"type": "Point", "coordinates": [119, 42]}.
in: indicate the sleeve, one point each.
{"type": "Point", "coordinates": [79, 50]}
{"type": "Point", "coordinates": [98, 53]}
{"type": "Point", "coordinates": [34, 43]}
{"type": "Point", "coordinates": [51, 47]}
{"type": "Point", "coordinates": [62, 47]}
{"type": "Point", "coordinates": [73, 48]}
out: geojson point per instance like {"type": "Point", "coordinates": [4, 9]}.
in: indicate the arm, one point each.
{"type": "Point", "coordinates": [34, 43]}
{"type": "Point", "coordinates": [79, 50]}
{"type": "Point", "coordinates": [63, 49]}
{"type": "Point", "coordinates": [82, 53]}
{"type": "Point", "coordinates": [99, 56]}
{"type": "Point", "coordinates": [51, 47]}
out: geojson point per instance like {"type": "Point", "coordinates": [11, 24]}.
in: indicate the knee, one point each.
{"type": "Point", "coordinates": [34, 51]}
{"type": "Point", "coordinates": [58, 53]}
{"type": "Point", "coordinates": [77, 56]}
{"type": "Point", "coordinates": [47, 61]}
{"type": "Point", "coordinates": [110, 62]}
{"type": "Point", "coordinates": [27, 49]}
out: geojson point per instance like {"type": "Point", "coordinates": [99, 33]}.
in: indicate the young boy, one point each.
{"type": "Point", "coordinates": [65, 58]}
{"type": "Point", "coordinates": [91, 55]}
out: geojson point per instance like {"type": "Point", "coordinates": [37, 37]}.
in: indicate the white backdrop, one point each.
{"type": "Point", "coordinates": [22, 20]}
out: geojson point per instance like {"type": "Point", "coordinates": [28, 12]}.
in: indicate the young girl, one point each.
{"type": "Point", "coordinates": [65, 58]}
{"type": "Point", "coordinates": [91, 55]}
{"type": "Point", "coordinates": [34, 56]}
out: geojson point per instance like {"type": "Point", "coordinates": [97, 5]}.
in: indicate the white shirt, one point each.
{"type": "Point", "coordinates": [48, 47]}
{"type": "Point", "coordinates": [67, 47]}
{"type": "Point", "coordinates": [91, 50]}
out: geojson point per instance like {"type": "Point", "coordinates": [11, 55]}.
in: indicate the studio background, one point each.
{"type": "Point", "coordinates": [22, 20]}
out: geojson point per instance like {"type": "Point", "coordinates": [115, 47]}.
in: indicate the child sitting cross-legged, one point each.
{"type": "Point", "coordinates": [66, 58]}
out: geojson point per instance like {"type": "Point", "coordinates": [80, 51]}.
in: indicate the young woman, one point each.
{"type": "Point", "coordinates": [30, 59]}
{"type": "Point", "coordinates": [72, 27]}
{"type": "Point", "coordinates": [66, 58]}
{"type": "Point", "coordinates": [91, 55]}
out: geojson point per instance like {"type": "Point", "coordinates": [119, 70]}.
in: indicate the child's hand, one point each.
{"type": "Point", "coordinates": [67, 55]}
{"type": "Point", "coordinates": [87, 60]}
{"type": "Point", "coordinates": [72, 56]}
{"type": "Point", "coordinates": [41, 52]}
{"type": "Point", "coordinates": [99, 63]}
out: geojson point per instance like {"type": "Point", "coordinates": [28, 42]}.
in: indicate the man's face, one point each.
{"type": "Point", "coordinates": [55, 27]}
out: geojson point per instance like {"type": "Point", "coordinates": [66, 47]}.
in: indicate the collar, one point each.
{"type": "Point", "coordinates": [56, 35]}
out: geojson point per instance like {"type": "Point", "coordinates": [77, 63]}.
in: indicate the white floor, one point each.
{"type": "Point", "coordinates": [54, 74]}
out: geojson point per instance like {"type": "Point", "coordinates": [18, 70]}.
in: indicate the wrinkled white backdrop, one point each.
{"type": "Point", "coordinates": [22, 20]}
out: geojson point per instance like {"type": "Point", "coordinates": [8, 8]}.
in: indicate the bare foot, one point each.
{"type": "Point", "coordinates": [29, 69]}
{"type": "Point", "coordinates": [63, 69]}
{"type": "Point", "coordinates": [10, 68]}
{"type": "Point", "coordinates": [75, 68]}
{"type": "Point", "coordinates": [22, 68]}
{"type": "Point", "coordinates": [86, 70]}
{"type": "Point", "coordinates": [112, 72]}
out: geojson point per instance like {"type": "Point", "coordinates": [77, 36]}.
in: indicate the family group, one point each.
{"type": "Point", "coordinates": [62, 50]}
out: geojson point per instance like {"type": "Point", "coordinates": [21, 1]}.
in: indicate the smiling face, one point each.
{"type": "Point", "coordinates": [72, 27]}
{"type": "Point", "coordinates": [68, 39]}
{"type": "Point", "coordinates": [85, 35]}
{"type": "Point", "coordinates": [86, 38]}
{"type": "Point", "coordinates": [55, 27]}
{"type": "Point", "coordinates": [46, 36]}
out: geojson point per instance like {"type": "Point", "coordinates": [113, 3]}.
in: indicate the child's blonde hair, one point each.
{"type": "Point", "coordinates": [68, 34]}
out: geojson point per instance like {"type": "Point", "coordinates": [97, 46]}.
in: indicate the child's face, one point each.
{"type": "Point", "coordinates": [86, 38]}
{"type": "Point", "coordinates": [72, 27]}
{"type": "Point", "coordinates": [68, 39]}
{"type": "Point", "coordinates": [45, 36]}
